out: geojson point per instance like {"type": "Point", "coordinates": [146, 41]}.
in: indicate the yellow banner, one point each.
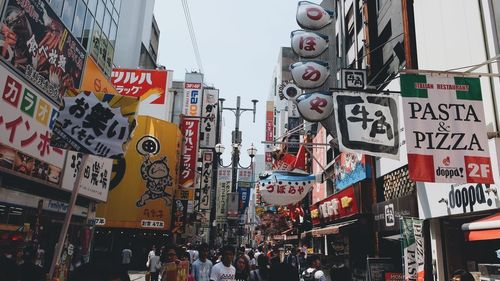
{"type": "Point", "coordinates": [147, 180]}
{"type": "Point", "coordinates": [94, 79]}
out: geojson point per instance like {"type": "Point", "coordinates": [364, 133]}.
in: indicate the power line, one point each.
{"type": "Point", "coordinates": [192, 34]}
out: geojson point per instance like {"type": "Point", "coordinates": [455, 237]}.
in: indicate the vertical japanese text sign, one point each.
{"type": "Point", "coordinates": [445, 129]}
{"type": "Point", "coordinates": [43, 49]}
{"type": "Point", "coordinates": [98, 124]}
{"type": "Point", "coordinates": [209, 115]}
{"type": "Point", "coordinates": [190, 129]}
{"type": "Point", "coordinates": [206, 179]}
{"type": "Point", "coordinates": [224, 177]}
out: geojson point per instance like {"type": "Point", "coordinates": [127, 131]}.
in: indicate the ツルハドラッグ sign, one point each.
{"type": "Point", "coordinates": [445, 129]}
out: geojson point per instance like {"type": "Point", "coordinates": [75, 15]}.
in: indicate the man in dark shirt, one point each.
{"type": "Point", "coordinates": [29, 271]}
{"type": "Point", "coordinates": [280, 270]}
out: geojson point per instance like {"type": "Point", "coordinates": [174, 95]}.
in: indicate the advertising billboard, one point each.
{"type": "Point", "coordinates": [94, 79]}
{"type": "Point", "coordinates": [209, 122]}
{"type": "Point", "coordinates": [26, 121]}
{"type": "Point", "coordinates": [192, 99]}
{"type": "Point", "coordinates": [349, 168]}
{"type": "Point", "coordinates": [190, 129]}
{"type": "Point", "coordinates": [319, 153]}
{"type": "Point", "coordinates": [43, 50]}
{"type": "Point", "coordinates": [143, 197]}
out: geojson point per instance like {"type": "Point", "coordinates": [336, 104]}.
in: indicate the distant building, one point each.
{"type": "Point", "coordinates": [138, 36]}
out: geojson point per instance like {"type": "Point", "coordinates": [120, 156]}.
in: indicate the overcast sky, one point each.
{"type": "Point", "coordinates": [239, 42]}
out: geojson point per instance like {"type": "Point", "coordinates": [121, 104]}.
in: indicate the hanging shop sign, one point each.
{"type": "Point", "coordinates": [244, 199]}
{"type": "Point", "coordinates": [192, 99]}
{"type": "Point", "coordinates": [224, 177]}
{"type": "Point", "coordinates": [26, 120]}
{"type": "Point", "coordinates": [95, 123]}
{"type": "Point", "coordinates": [95, 179]}
{"type": "Point", "coordinates": [206, 179]}
{"type": "Point", "coordinates": [308, 44]}
{"type": "Point", "coordinates": [445, 129]}
{"type": "Point", "coordinates": [354, 79]}
{"type": "Point", "coordinates": [388, 213]}
{"type": "Point", "coordinates": [290, 91]}
{"type": "Point", "coordinates": [285, 188]}
{"type": "Point", "coordinates": [147, 180]}
{"type": "Point", "coordinates": [190, 129]}
{"type": "Point", "coordinates": [340, 205]}
{"type": "Point", "coordinates": [413, 249]}
{"type": "Point", "coordinates": [319, 153]}
{"type": "Point", "coordinates": [440, 199]}
{"type": "Point", "coordinates": [94, 79]}
{"type": "Point", "coordinates": [43, 50]}
{"type": "Point", "coordinates": [269, 135]}
{"type": "Point", "coordinates": [368, 123]}
{"type": "Point", "coordinates": [180, 212]}
{"type": "Point", "coordinates": [209, 118]}
{"type": "Point", "coordinates": [349, 168]}
{"type": "Point", "coordinates": [315, 107]}
{"type": "Point", "coordinates": [310, 74]}
{"type": "Point", "coordinates": [313, 16]}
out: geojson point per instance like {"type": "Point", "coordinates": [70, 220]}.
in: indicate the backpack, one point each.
{"type": "Point", "coordinates": [308, 275]}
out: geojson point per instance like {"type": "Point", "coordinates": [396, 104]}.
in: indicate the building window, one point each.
{"type": "Point", "coordinates": [92, 6]}
{"type": "Point", "coordinates": [107, 23]}
{"type": "Point", "coordinates": [118, 4]}
{"type": "Point", "coordinates": [57, 6]}
{"type": "Point", "coordinates": [79, 19]}
{"type": "Point", "coordinates": [68, 12]}
{"type": "Point", "coordinates": [96, 42]}
{"type": "Point", "coordinates": [99, 14]}
{"type": "Point", "coordinates": [112, 33]}
{"type": "Point", "coordinates": [87, 31]}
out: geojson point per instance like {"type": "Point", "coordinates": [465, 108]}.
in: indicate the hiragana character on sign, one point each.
{"type": "Point", "coordinates": [301, 189]}
{"type": "Point", "coordinates": [111, 130]}
{"type": "Point", "coordinates": [12, 126]}
{"type": "Point", "coordinates": [270, 188]}
{"type": "Point", "coordinates": [364, 113]}
{"type": "Point", "coordinates": [43, 145]}
{"type": "Point", "coordinates": [307, 43]}
{"type": "Point", "coordinates": [98, 118]}
{"type": "Point", "coordinates": [79, 108]}
{"type": "Point", "coordinates": [381, 127]}
{"type": "Point", "coordinates": [66, 123]}
{"type": "Point", "coordinates": [104, 179]}
{"type": "Point", "coordinates": [82, 134]}
{"type": "Point", "coordinates": [311, 74]}
{"type": "Point", "coordinates": [291, 190]}
{"type": "Point", "coordinates": [32, 45]}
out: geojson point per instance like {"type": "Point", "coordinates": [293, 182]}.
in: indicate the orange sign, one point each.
{"type": "Point", "coordinates": [176, 272]}
{"type": "Point", "coordinates": [147, 180]}
{"type": "Point", "coordinates": [94, 80]}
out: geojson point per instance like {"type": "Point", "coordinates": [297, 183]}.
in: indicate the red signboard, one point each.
{"type": "Point", "coordinates": [339, 205]}
{"type": "Point", "coordinates": [393, 276]}
{"type": "Point", "coordinates": [141, 83]}
{"type": "Point", "coordinates": [190, 129]}
{"type": "Point", "coordinates": [269, 137]}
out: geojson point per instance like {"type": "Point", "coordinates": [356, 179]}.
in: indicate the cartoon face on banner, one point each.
{"type": "Point", "coordinates": [285, 188]}
{"type": "Point", "coordinates": [313, 16]}
{"type": "Point", "coordinates": [308, 44]}
{"type": "Point", "coordinates": [368, 123]}
{"type": "Point", "coordinates": [310, 74]}
{"type": "Point", "coordinates": [157, 178]}
{"type": "Point", "coordinates": [315, 107]}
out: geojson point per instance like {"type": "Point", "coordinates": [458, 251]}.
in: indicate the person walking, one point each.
{"type": "Point", "coordinates": [242, 269]}
{"type": "Point", "coordinates": [202, 267]}
{"type": "Point", "coordinates": [262, 271]}
{"type": "Point", "coordinates": [224, 270]}
{"type": "Point", "coordinates": [461, 275]}
{"type": "Point", "coordinates": [280, 270]}
{"type": "Point", "coordinates": [126, 257]}
{"type": "Point", "coordinates": [154, 266]}
{"type": "Point", "coordinates": [314, 272]}
{"type": "Point", "coordinates": [29, 271]}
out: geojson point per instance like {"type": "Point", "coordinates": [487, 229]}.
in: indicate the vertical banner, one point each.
{"type": "Point", "coordinates": [319, 153]}
{"type": "Point", "coordinates": [269, 135]}
{"type": "Point", "coordinates": [224, 177]}
{"type": "Point", "coordinates": [36, 42]}
{"type": "Point", "coordinates": [189, 128]}
{"type": "Point", "coordinates": [192, 99]}
{"type": "Point", "coordinates": [209, 122]}
{"type": "Point", "coordinates": [243, 199]}
{"type": "Point", "coordinates": [206, 179]}
{"type": "Point", "coordinates": [413, 249]}
{"type": "Point", "coordinates": [232, 206]}
{"type": "Point", "coordinates": [445, 129]}
{"type": "Point", "coordinates": [180, 209]}
{"type": "Point", "coordinates": [293, 139]}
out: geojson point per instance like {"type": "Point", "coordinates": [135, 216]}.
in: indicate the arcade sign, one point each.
{"type": "Point", "coordinates": [308, 44]}
{"type": "Point", "coordinates": [310, 74]}
{"type": "Point", "coordinates": [313, 16]}
{"type": "Point", "coordinates": [316, 106]}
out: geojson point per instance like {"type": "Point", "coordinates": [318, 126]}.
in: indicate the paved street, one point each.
{"type": "Point", "coordinates": [137, 275]}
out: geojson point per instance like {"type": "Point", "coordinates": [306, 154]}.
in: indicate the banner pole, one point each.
{"type": "Point", "coordinates": [67, 219]}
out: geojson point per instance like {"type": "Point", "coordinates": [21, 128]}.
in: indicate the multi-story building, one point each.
{"type": "Point", "coordinates": [138, 36]}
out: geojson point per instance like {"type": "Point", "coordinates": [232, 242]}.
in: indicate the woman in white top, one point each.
{"type": "Point", "coordinates": [154, 265]}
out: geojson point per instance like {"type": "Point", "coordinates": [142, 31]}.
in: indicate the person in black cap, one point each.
{"type": "Point", "coordinates": [280, 270]}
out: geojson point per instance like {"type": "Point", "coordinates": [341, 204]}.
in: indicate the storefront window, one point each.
{"type": "Point", "coordinates": [79, 19]}
{"type": "Point", "coordinates": [57, 6]}
{"type": "Point", "coordinates": [87, 30]}
{"type": "Point", "coordinates": [68, 12]}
